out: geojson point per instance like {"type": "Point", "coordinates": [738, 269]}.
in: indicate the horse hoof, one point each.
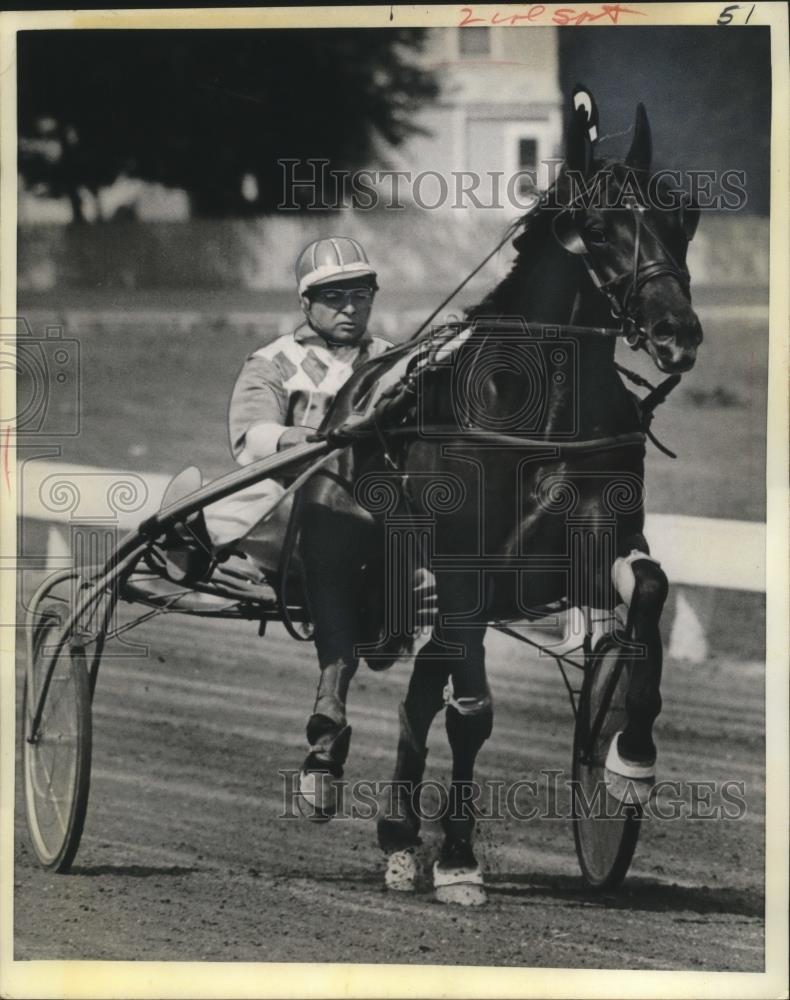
{"type": "Point", "coordinates": [401, 873]}
{"type": "Point", "coordinates": [629, 782]}
{"type": "Point", "coordinates": [459, 886]}
{"type": "Point", "coordinates": [319, 795]}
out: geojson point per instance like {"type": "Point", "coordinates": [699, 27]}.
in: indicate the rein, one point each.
{"type": "Point", "coordinates": [511, 229]}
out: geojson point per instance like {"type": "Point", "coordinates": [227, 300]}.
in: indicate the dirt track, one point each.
{"type": "Point", "coordinates": [183, 856]}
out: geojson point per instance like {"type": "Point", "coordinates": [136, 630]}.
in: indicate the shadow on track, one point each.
{"type": "Point", "coordinates": [132, 871]}
{"type": "Point", "coordinates": [638, 893]}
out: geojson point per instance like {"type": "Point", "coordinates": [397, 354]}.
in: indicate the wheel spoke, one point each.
{"type": "Point", "coordinates": [57, 687]}
{"type": "Point", "coordinates": [51, 798]}
{"type": "Point", "coordinates": [61, 600]}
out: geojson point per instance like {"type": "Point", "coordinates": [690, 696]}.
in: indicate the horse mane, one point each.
{"type": "Point", "coordinates": [528, 244]}
{"type": "Point", "coordinates": [535, 226]}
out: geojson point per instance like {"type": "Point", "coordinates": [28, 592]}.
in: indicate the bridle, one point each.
{"type": "Point", "coordinates": [622, 290]}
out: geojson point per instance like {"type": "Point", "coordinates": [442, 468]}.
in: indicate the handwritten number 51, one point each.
{"type": "Point", "coordinates": [727, 14]}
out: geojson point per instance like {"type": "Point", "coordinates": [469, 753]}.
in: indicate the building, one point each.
{"type": "Point", "coordinates": [499, 110]}
{"type": "Point", "coordinates": [498, 115]}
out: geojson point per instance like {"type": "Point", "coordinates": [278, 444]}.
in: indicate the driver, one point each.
{"type": "Point", "coordinates": [280, 398]}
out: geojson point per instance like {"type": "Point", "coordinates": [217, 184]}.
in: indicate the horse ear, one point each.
{"type": "Point", "coordinates": [584, 100]}
{"type": "Point", "coordinates": [567, 234]}
{"type": "Point", "coordinates": [582, 131]}
{"type": "Point", "coordinates": [689, 219]}
{"type": "Point", "coordinates": [641, 152]}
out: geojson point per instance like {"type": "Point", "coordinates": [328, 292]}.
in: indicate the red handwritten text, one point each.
{"type": "Point", "coordinates": [561, 16]}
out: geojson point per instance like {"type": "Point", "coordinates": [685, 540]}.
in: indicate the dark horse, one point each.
{"type": "Point", "coordinates": [521, 437]}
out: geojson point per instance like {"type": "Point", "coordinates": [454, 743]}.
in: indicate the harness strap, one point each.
{"type": "Point", "coordinates": [465, 706]}
{"type": "Point", "coordinates": [633, 377]}
{"type": "Point", "coordinates": [661, 447]}
{"type": "Point", "coordinates": [660, 393]}
{"type": "Point", "coordinates": [640, 275]}
{"type": "Point", "coordinates": [630, 439]}
{"type": "Point", "coordinates": [655, 398]}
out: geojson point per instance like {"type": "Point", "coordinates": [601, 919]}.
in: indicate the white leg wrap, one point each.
{"type": "Point", "coordinates": [623, 575]}
{"type": "Point", "coordinates": [628, 781]}
{"type": "Point", "coordinates": [459, 886]}
{"type": "Point", "coordinates": [401, 872]}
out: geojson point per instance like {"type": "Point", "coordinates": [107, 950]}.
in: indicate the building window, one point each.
{"type": "Point", "coordinates": [528, 161]}
{"type": "Point", "coordinates": [527, 154]}
{"type": "Point", "coordinates": [474, 42]}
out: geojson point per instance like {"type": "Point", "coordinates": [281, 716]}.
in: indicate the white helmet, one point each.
{"type": "Point", "coordinates": [332, 259]}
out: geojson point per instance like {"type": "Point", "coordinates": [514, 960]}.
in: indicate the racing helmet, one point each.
{"type": "Point", "coordinates": [331, 259]}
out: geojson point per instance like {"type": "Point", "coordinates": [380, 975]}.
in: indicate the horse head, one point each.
{"type": "Point", "coordinates": [633, 235]}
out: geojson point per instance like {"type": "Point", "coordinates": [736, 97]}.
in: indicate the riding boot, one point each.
{"type": "Point", "coordinates": [328, 736]}
{"type": "Point", "coordinates": [399, 822]}
{"type": "Point", "coordinates": [329, 711]}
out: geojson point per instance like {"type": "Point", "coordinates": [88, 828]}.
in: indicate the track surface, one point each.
{"type": "Point", "coordinates": [184, 856]}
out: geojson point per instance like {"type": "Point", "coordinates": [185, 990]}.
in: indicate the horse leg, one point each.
{"type": "Point", "coordinates": [334, 578]}
{"type": "Point", "coordinates": [398, 826]}
{"type": "Point", "coordinates": [631, 762]}
{"type": "Point", "coordinates": [457, 876]}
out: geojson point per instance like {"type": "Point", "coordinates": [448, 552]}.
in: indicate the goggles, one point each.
{"type": "Point", "coordinates": [339, 297]}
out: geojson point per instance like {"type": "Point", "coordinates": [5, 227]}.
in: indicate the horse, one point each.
{"type": "Point", "coordinates": [526, 443]}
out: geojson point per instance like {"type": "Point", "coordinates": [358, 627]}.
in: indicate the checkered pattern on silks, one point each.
{"type": "Point", "coordinates": [289, 383]}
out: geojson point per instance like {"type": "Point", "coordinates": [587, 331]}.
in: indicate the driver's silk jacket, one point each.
{"type": "Point", "coordinates": [290, 383]}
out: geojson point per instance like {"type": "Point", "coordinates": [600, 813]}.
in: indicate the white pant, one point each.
{"type": "Point", "coordinates": [236, 516]}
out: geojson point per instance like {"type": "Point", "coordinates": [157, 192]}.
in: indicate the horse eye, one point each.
{"type": "Point", "coordinates": [597, 237]}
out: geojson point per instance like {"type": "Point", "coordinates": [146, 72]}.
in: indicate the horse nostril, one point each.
{"type": "Point", "coordinates": [664, 331]}
{"type": "Point", "coordinates": [670, 332]}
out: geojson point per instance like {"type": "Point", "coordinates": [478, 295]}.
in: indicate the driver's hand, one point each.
{"type": "Point", "coordinates": [292, 436]}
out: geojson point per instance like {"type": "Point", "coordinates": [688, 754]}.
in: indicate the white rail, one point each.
{"type": "Point", "coordinates": [698, 551]}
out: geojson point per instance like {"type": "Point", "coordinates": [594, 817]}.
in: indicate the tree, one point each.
{"type": "Point", "coordinates": [211, 111]}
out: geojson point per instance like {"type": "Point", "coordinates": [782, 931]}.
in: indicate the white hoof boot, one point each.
{"type": "Point", "coordinates": [459, 886]}
{"type": "Point", "coordinates": [319, 798]}
{"type": "Point", "coordinates": [401, 873]}
{"type": "Point", "coordinates": [627, 781]}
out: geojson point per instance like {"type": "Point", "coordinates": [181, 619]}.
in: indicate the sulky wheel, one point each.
{"type": "Point", "coordinates": [56, 752]}
{"type": "Point", "coordinates": [605, 831]}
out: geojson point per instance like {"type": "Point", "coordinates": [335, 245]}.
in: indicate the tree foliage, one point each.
{"type": "Point", "coordinates": [202, 110]}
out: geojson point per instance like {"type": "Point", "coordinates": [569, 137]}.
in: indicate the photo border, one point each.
{"type": "Point", "coordinates": [177, 979]}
